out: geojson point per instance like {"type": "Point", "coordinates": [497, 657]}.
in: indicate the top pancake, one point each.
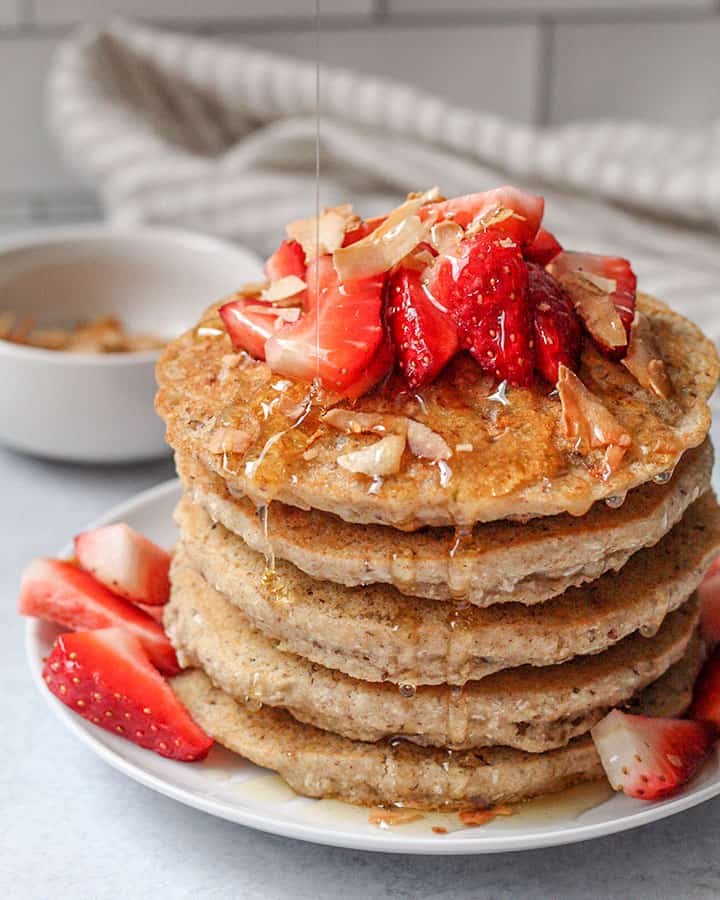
{"type": "Point", "coordinates": [520, 465]}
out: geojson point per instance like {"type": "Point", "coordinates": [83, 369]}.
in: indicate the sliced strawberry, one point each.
{"type": "Point", "coordinates": [483, 283]}
{"type": "Point", "coordinates": [337, 337]}
{"type": "Point", "coordinates": [288, 259]}
{"type": "Point", "coordinates": [706, 697]}
{"type": "Point", "coordinates": [558, 334]}
{"type": "Point", "coordinates": [610, 268]}
{"type": "Point", "coordinates": [544, 248]}
{"type": "Point", "coordinates": [424, 334]}
{"type": "Point", "coordinates": [377, 369]}
{"type": "Point", "coordinates": [709, 592]}
{"type": "Point", "coordinates": [363, 230]}
{"type": "Point", "coordinates": [249, 330]}
{"type": "Point", "coordinates": [106, 677]}
{"type": "Point", "coordinates": [488, 206]}
{"type": "Point", "coordinates": [63, 593]}
{"type": "Point", "coordinates": [650, 758]}
{"type": "Point", "coordinates": [126, 562]}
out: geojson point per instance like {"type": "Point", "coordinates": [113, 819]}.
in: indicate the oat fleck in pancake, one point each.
{"type": "Point", "coordinates": [377, 634]}
{"type": "Point", "coordinates": [520, 463]}
{"type": "Point", "coordinates": [531, 709]}
{"type": "Point", "coordinates": [321, 764]}
{"type": "Point", "coordinates": [499, 562]}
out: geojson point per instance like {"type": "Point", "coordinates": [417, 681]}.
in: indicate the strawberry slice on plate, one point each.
{"type": "Point", "coordinates": [706, 697]}
{"type": "Point", "coordinates": [338, 336]}
{"type": "Point", "coordinates": [106, 677]}
{"type": "Point", "coordinates": [483, 283]}
{"type": "Point", "coordinates": [288, 259]}
{"type": "Point", "coordinates": [424, 334]}
{"type": "Point", "coordinates": [558, 333]}
{"type": "Point", "coordinates": [505, 210]}
{"type": "Point", "coordinates": [544, 248]}
{"type": "Point", "coordinates": [650, 758]}
{"type": "Point", "coordinates": [61, 592]}
{"type": "Point", "coordinates": [611, 274]}
{"type": "Point", "coordinates": [126, 562]}
{"type": "Point", "coordinates": [709, 593]}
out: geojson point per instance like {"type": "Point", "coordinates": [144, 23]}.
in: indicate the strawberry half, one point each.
{"type": "Point", "coordinates": [126, 562]}
{"type": "Point", "coordinates": [558, 333]}
{"type": "Point", "coordinates": [424, 335]}
{"type": "Point", "coordinates": [544, 248]}
{"type": "Point", "coordinates": [248, 328]}
{"type": "Point", "coordinates": [706, 697]}
{"type": "Point", "coordinates": [608, 268]}
{"type": "Point", "coordinates": [106, 677]}
{"type": "Point", "coordinates": [338, 336]}
{"type": "Point", "coordinates": [483, 283]}
{"type": "Point", "coordinates": [709, 593]}
{"type": "Point", "coordinates": [650, 758]}
{"type": "Point", "coordinates": [288, 259]}
{"type": "Point", "coordinates": [63, 593]}
{"type": "Point", "coordinates": [526, 212]}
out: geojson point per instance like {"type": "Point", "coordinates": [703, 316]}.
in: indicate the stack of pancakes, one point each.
{"type": "Point", "coordinates": [447, 635]}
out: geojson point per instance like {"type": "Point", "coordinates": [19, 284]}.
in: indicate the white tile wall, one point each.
{"type": "Point", "coordinates": [545, 7]}
{"type": "Point", "coordinates": [665, 72]}
{"type": "Point", "coordinates": [550, 61]}
{"type": "Point", "coordinates": [54, 12]}
{"type": "Point", "coordinates": [10, 12]}
{"type": "Point", "coordinates": [472, 73]}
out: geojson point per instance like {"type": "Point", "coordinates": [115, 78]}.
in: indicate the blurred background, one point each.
{"type": "Point", "coordinates": [542, 62]}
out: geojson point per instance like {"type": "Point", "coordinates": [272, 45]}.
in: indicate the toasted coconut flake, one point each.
{"type": "Point", "coordinates": [379, 459]}
{"type": "Point", "coordinates": [229, 440]}
{"type": "Point", "coordinates": [425, 443]}
{"type": "Point", "coordinates": [284, 313]}
{"type": "Point", "coordinates": [491, 217]}
{"type": "Point", "coordinates": [251, 289]}
{"type": "Point", "coordinates": [326, 233]}
{"type": "Point", "coordinates": [352, 422]}
{"type": "Point", "coordinates": [609, 285]}
{"type": "Point", "coordinates": [444, 235]}
{"type": "Point", "coordinates": [597, 310]}
{"type": "Point", "coordinates": [464, 448]}
{"type": "Point", "coordinates": [383, 248]}
{"type": "Point", "coordinates": [284, 288]}
{"type": "Point", "coordinates": [589, 422]}
{"type": "Point", "coordinates": [644, 361]}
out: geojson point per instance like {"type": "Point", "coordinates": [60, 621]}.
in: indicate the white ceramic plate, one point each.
{"type": "Point", "coordinates": [228, 786]}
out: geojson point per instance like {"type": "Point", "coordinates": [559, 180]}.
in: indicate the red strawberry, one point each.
{"type": "Point", "coordinates": [288, 259]}
{"type": "Point", "coordinates": [126, 562]}
{"type": "Point", "coordinates": [338, 336]}
{"type": "Point", "coordinates": [544, 248]}
{"type": "Point", "coordinates": [706, 698]}
{"type": "Point", "coordinates": [377, 369]}
{"type": "Point", "coordinates": [614, 269]}
{"type": "Point", "coordinates": [248, 328]}
{"type": "Point", "coordinates": [709, 592]}
{"type": "Point", "coordinates": [650, 758]}
{"type": "Point", "coordinates": [558, 334]}
{"type": "Point", "coordinates": [484, 285]}
{"type": "Point", "coordinates": [63, 593]}
{"type": "Point", "coordinates": [106, 677]}
{"type": "Point", "coordinates": [363, 230]}
{"type": "Point", "coordinates": [425, 336]}
{"type": "Point", "coordinates": [521, 226]}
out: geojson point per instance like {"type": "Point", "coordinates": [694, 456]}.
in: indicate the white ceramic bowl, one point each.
{"type": "Point", "coordinates": [99, 408]}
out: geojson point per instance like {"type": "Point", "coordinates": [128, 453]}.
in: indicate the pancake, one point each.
{"type": "Point", "coordinates": [377, 634]}
{"type": "Point", "coordinates": [499, 562]}
{"type": "Point", "coordinates": [531, 709]}
{"type": "Point", "coordinates": [318, 763]}
{"type": "Point", "coordinates": [519, 462]}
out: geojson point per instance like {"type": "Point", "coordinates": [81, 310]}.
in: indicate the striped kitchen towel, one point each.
{"type": "Point", "coordinates": [220, 137]}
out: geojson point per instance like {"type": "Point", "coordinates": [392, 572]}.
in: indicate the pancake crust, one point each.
{"type": "Point", "coordinates": [520, 465]}
{"type": "Point", "coordinates": [321, 764]}
{"type": "Point", "coordinates": [531, 709]}
{"type": "Point", "coordinates": [500, 562]}
{"type": "Point", "coordinates": [377, 634]}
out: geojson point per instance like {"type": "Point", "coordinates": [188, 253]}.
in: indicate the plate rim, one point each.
{"type": "Point", "coordinates": [272, 823]}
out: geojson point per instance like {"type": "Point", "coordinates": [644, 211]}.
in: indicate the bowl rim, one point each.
{"type": "Point", "coordinates": [49, 236]}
